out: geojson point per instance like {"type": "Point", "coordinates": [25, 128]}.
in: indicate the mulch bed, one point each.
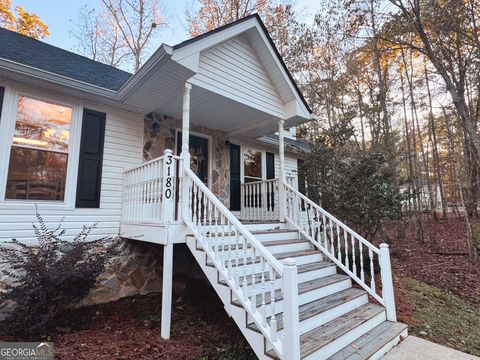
{"type": "Point", "coordinates": [441, 260]}
{"type": "Point", "coordinates": [130, 329]}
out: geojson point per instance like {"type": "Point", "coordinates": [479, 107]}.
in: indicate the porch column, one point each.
{"type": "Point", "coordinates": [167, 290]}
{"type": "Point", "coordinates": [185, 154]}
{"type": "Point", "coordinates": [281, 172]}
{"type": "Point", "coordinates": [186, 125]}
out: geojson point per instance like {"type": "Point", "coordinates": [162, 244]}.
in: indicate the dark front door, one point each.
{"type": "Point", "coordinates": [234, 177]}
{"type": "Point", "coordinates": [198, 155]}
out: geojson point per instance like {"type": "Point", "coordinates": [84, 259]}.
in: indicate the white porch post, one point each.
{"type": "Point", "coordinates": [281, 172]}
{"type": "Point", "coordinates": [167, 291]}
{"type": "Point", "coordinates": [186, 125]}
{"type": "Point", "coordinates": [185, 154]}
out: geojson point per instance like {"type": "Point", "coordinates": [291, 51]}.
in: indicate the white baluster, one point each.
{"type": "Point", "coordinates": [372, 270]}
{"type": "Point", "coordinates": [362, 275]}
{"type": "Point", "coordinates": [354, 264]}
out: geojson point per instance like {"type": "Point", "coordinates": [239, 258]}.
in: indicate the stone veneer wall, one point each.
{"type": "Point", "coordinates": [159, 134]}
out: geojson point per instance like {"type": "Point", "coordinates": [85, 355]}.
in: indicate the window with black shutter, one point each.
{"type": "Point", "coordinates": [91, 159]}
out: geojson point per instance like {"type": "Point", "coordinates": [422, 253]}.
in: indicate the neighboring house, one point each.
{"type": "Point", "coordinates": [193, 149]}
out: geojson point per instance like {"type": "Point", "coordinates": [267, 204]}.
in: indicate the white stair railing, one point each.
{"type": "Point", "coordinates": [348, 250]}
{"type": "Point", "coordinates": [151, 191]}
{"type": "Point", "coordinates": [259, 200]}
{"type": "Point", "coordinates": [241, 261]}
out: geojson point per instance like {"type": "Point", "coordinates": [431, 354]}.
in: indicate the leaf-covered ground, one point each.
{"type": "Point", "coordinates": [130, 329]}
{"type": "Point", "coordinates": [441, 260]}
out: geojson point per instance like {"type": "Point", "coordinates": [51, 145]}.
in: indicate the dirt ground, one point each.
{"type": "Point", "coordinates": [130, 329]}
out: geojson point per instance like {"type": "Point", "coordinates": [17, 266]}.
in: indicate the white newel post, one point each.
{"type": "Point", "coordinates": [168, 187]}
{"type": "Point", "coordinates": [185, 154]}
{"type": "Point", "coordinates": [291, 343]}
{"type": "Point", "coordinates": [387, 282]}
{"type": "Point", "coordinates": [168, 215]}
{"type": "Point", "coordinates": [167, 291]}
{"type": "Point", "coordinates": [281, 172]}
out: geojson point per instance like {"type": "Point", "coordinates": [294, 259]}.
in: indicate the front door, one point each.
{"type": "Point", "coordinates": [198, 155]}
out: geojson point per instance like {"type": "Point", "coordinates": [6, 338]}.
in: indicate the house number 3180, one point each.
{"type": "Point", "coordinates": [168, 180]}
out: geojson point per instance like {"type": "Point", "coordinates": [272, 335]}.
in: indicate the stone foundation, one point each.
{"type": "Point", "coordinates": [139, 270]}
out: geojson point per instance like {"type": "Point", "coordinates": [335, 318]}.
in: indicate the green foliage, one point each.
{"type": "Point", "coordinates": [49, 278]}
{"type": "Point", "coordinates": [445, 318]}
{"type": "Point", "coordinates": [361, 188]}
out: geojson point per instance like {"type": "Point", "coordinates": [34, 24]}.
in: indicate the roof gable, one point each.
{"type": "Point", "coordinates": [187, 52]}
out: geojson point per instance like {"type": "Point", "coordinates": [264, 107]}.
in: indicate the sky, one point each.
{"type": "Point", "coordinates": [60, 16]}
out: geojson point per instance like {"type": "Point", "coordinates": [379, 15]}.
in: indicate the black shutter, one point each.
{"type": "Point", "coordinates": [91, 159]}
{"type": "Point", "coordinates": [270, 162]}
{"type": "Point", "coordinates": [270, 165]}
{"type": "Point", "coordinates": [2, 93]}
{"type": "Point", "coordinates": [235, 177]}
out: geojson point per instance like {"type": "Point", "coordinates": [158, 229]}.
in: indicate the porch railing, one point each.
{"type": "Point", "coordinates": [357, 257]}
{"type": "Point", "coordinates": [259, 200]}
{"type": "Point", "coordinates": [151, 191]}
{"type": "Point", "coordinates": [243, 261]}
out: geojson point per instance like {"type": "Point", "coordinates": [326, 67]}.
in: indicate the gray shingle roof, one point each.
{"type": "Point", "coordinates": [37, 54]}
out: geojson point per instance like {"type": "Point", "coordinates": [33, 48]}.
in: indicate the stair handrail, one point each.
{"type": "Point", "coordinates": [287, 348]}
{"type": "Point", "coordinates": [333, 248]}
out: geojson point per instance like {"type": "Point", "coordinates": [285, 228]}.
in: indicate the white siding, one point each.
{"type": "Point", "coordinates": [123, 149]}
{"type": "Point", "coordinates": [234, 70]}
{"type": "Point", "coordinates": [290, 167]}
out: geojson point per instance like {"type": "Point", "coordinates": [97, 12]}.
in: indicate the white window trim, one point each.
{"type": "Point", "coordinates": [7, 127]}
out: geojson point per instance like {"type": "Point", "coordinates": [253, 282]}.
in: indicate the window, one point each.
{"type": "Point", "coordinates": [252, 161]}
{"type": "Point", "coordinates": [39, 153]}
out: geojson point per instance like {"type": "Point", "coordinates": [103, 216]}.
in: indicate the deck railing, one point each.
{"type": "Point", "coordinates": [152, 191]}
{"type": "Point", "coordinates": [356, 256]}
{"type": "Point", "coordinates": [243, 261]}
{"type": "Point", "coordinates": [259, 200]}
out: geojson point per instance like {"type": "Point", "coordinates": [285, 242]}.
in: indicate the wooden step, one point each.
{"type": "Point", "coordinates": [301, 269]}
{"type": "Point", "coordinates": [319, 306]}
{"type": "Point", "coordinates": [280, 256]}
{"type": "Point", "coordinates": [233, 247]}
{"type": "Point", "coordinates": [323, 335]}
{"type": "Point", "coordinates": [294, 254]}
{"type": "Point", "coordinates": [302, 288]}
{"type": "Point", "coordinates": [372, 342]}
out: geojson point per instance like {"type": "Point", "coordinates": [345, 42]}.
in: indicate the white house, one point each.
{"type": "Point", "coordinates": [193, 148]}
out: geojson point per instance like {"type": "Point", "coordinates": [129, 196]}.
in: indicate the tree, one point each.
{"type": "Point", "coordinates": [23, 22]}
{"type": "Point", "coordinates": [99, 38]}
{"type": "Point", "coordinates": [359, 188]}
{"type": "Point", "coordinates": [215, 13]}
{"type": "Point", "coordinates": [453, 21]}
{"type": "Point", "coordinates": [136, 20]}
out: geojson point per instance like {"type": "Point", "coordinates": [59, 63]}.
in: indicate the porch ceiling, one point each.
{"type": "Point", "coordinates": [215, 111]}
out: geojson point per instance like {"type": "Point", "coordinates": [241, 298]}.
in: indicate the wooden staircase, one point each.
{"type": "Point", "coordinates": [337, 320]}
